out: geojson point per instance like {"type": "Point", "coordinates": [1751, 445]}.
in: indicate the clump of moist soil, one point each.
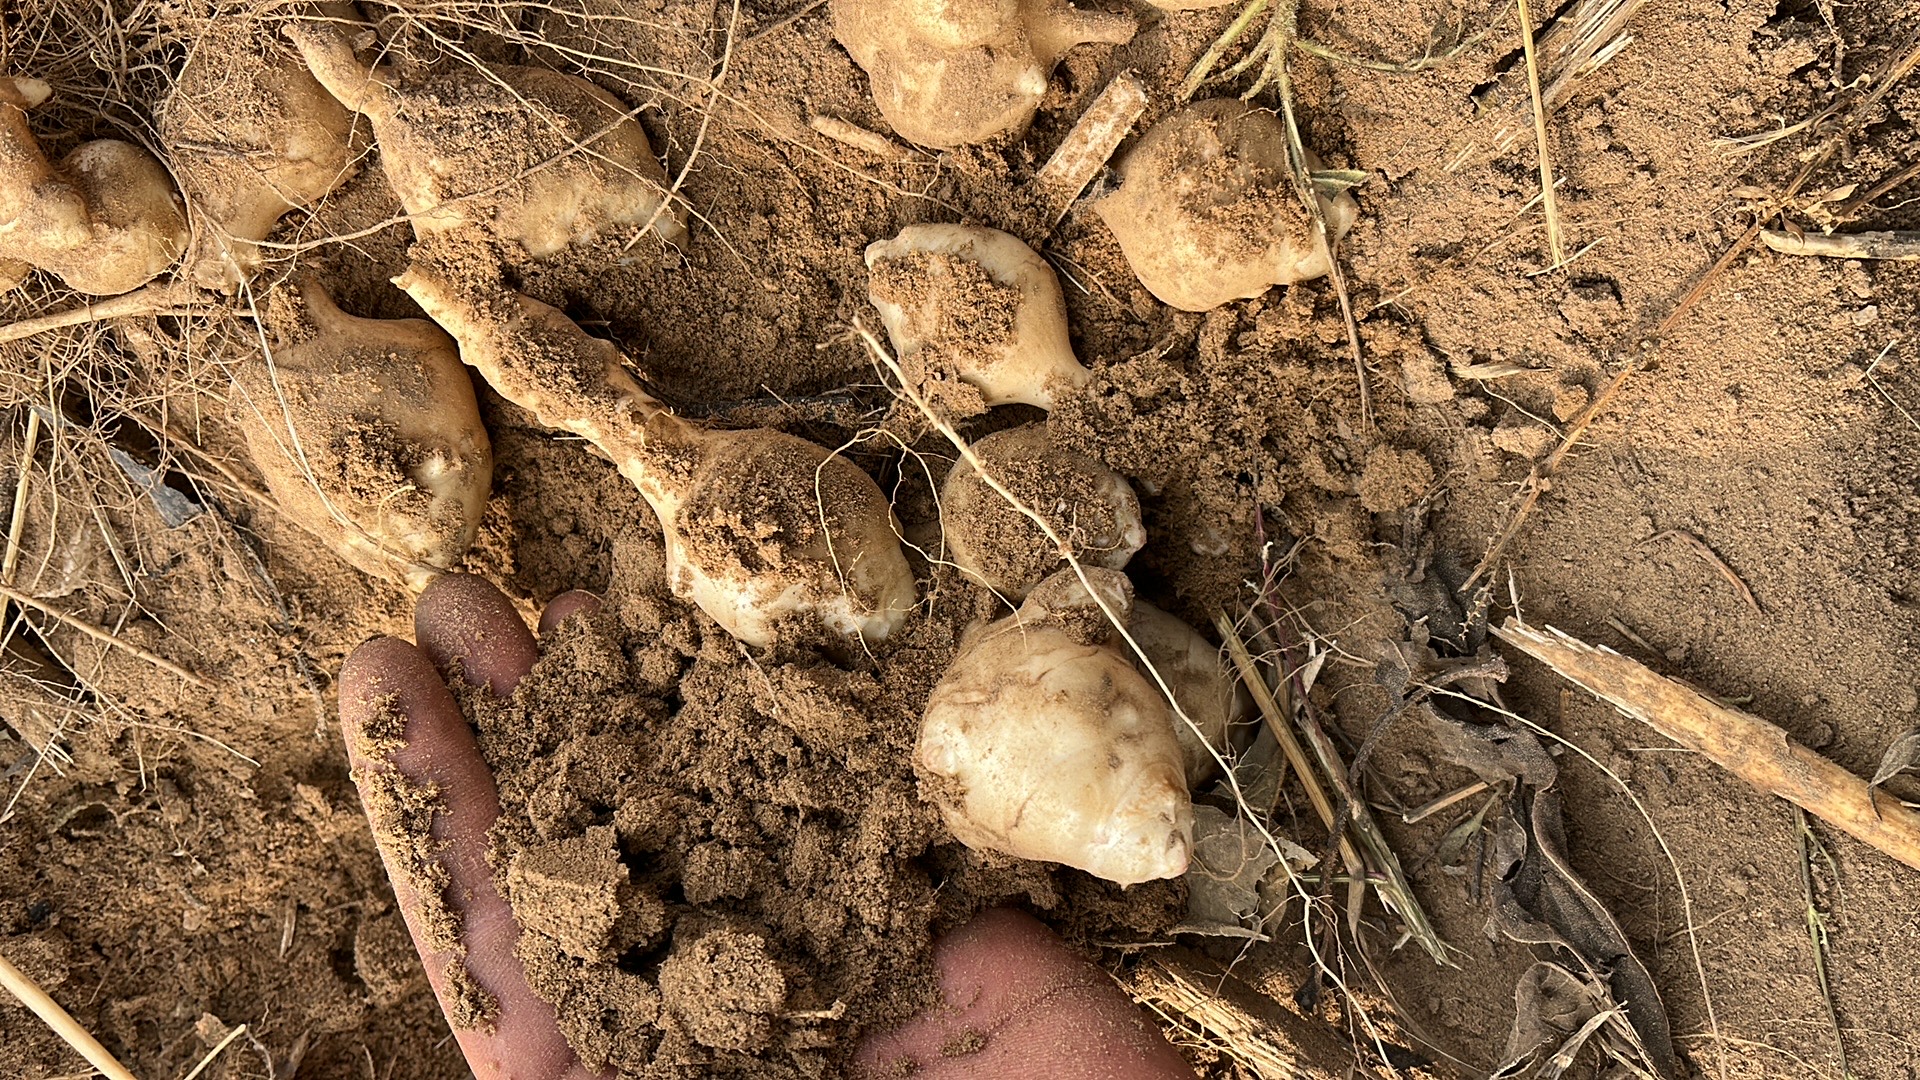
{"type": "Point", "coordinates": [723, 864]}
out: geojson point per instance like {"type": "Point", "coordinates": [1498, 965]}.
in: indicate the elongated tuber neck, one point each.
{"type": "Point", "coordinates": [539, 359]}
{"type": "Point", "coordinates": [1054, 26]}
{"type": "Point", "coordinates": [329, 55]}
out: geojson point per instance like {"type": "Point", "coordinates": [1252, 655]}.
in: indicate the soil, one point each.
{"type": "Point", "coordinates": [180, 859]}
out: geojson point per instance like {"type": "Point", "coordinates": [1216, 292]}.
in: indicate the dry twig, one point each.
{"type": "Point", "coordinates": [1536, 484]}
{"type": "Point", "coordinates": [1890, 246]}
{"type": "Point", "coordinates": [1085, 150]}
{"type": "Point", "coordinates": [1705, 551]}
{"type": "Point", "coordinates": [1549, 204]}
{"type": "Point", "coordinates": [94, 632]}
{"type": "Point", "coordinates": [63, 1024]}
{"type": "Point", "coordinates": [1743, 744]}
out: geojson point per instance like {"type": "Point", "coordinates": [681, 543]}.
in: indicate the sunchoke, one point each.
{"type": "Point", "coordinates": [761, 527]}
{"type": "Point", "coordinates": [953, 72]}
{"type": "Point", "coordinates": [105, 220]}
{"type": "Point", "coordinates": [369, 435]}
{"type": "Point", "coordinates": [532, 156]}
{"type": "Point", "coordinates": [1207, 211]}
{"type": "Point", "coordinates": [1042, 741]}
{"type": "Point", "coordinates": [977, 305]}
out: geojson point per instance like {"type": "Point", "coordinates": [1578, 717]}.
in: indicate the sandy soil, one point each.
{"type": "Point", "coordinates": [177, 860]}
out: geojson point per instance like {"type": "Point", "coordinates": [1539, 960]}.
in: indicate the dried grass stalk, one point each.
{"type": "Point", "coordinates": [1745, 745]}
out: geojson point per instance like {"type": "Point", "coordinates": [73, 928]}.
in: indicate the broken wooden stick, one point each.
{"type": "Point", "coordinates": [1891, 246]}
{"type": "Point", "coordinates": [1087, 148]}
{"type": "Point", "coordinates": [29, 993]}
{"type": "Point", "coordinates": [1745, 745]}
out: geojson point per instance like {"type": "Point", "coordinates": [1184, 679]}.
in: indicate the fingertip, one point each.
{"type": "Point", "coordinates": [466, 625]}
{"type": "Point", "coordinates": [566, 606]}
{"type": "Point", "coordinates": [385, 686]}
{"type": "Point", "coordinates": [1024, 1006]}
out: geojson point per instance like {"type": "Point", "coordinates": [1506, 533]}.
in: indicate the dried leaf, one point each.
{"type": "Point", "coordinates": [1904, 754]}
{"type": "Point", "coordinates": [1230, 858]}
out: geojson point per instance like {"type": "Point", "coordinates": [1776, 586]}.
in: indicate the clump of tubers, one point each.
{"type": "Point", "coordinates": [1042, 741]}
{"type": "Point", "coordinates": [762, 529]}
{"type": "Point", "coordinates": [1202, 687]}
{"type": "Point", "coordinates": [253, 135]}
{"type": "Point", "coordinates": [368, 434]}
{"type": "Point", "coordinates": [953, 72]}
{"type": "Point", "coordinates": [968, 303]}
{"type": "Point", "coordinates": [105, 220]}
{"type": "Point", "coordinates": [1089, 505]}
{"type": "Point", "coordinates": [1207, 212]}
{"type": "Point", "coordinates": [532, 156]}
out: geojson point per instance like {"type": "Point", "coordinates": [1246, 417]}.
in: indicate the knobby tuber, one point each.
{"type": "Point", "coordinates": [105, 220]}
{"type": "Point", "coordinates": [955, 72]}
{"type": "Point", "coordinates": [560, 161]}
{"type": "Point", "coordinates": [1042, 741]}
{"type": "Point", "coordinates": [252, 136]}
{"type": "Point", "coordinates": [977, 305]}
{"type": "Point", "coordinates": [1210, 697]}
{"type": "Point", "coordinates": [1207, 212]}
{"type": "Point", "coordinates": [368, 434]}
{"type": "Point", "coordinates": [761, 528]}
{"type": "Point", "coordinates": [1089, 505]}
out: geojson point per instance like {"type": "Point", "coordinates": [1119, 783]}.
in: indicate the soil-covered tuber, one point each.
{"type": "Point", "coordinates": [1042, 741]}
{"type": "Point", "coordinates": [968, 303]}
{"type": "Point", "coordinates": [762, 529]}
{"type": "Point", "coordinates": [105, 220]}
{"type": "Point", "coordinates": [1207, 211]}
{"type": "Point", "coordinates": [369, 435]}
{"type": "Point", "coordinates": [1089, 505]}
{"type": "Point", "coordinates": [533, 156]}
{"type": "Point", "coordinates": [252, 136]}
{"type": "Point", "coordinates": [954, 72]}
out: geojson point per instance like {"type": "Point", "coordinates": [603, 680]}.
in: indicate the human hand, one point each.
{"type": "Point", "coordinates": [1021, 1004]}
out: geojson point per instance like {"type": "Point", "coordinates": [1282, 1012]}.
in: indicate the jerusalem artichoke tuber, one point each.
{"type": "Point", "coordinates": [105, 220]}
{"type": "Point", "coordinates": [1041, 741]}
{"type": "Point", "coordinates": [977, 305]}
{"type": "Point", "coordinates": [761, 527]}
{"type": "Point", "coordinates": [560, 161]}
{"type": "Point", "coordinates": [369, 435]}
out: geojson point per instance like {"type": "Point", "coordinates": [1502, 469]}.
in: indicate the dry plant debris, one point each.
{"type": "Point", "coordinates": [1745, 745]}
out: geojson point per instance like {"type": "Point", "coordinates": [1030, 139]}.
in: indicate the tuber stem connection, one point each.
{"type": "Point", "coordinates": [762, 529]}
{"type": "Point", "coordinates": [564, 161]}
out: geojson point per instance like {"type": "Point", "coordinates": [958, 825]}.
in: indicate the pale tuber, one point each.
{"type": "Point", "coordinates": [1087, 504]}
{"type": "Point", "coordinates": [368, 434]}
{"type": "Point", "coordinates": [1042, 741]}
{"type": "Point", "coordinates": [953, 72]}
{"type": "Point", "coordinates": [532, 156]}
{"type": "Point", "coordinates": [1207, 211]}
{"type": "Point", "coordinates": [977, 305]}
{"type": "Point", "coordinates": [761, 528]}
{"type": "Point", "coordinates": [1201, 685]}
{"type": "Point", "coordinates": [252, 136]}
{"type": "Point", "coordinates": [104, 220]}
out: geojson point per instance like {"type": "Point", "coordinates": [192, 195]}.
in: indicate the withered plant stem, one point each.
{"type": "Point", "coordinates": [1549, 203]}
{"type": "Point", "coordinates": [1751, 748]}
{"type": "Point", "coordinates": [7, 592]}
